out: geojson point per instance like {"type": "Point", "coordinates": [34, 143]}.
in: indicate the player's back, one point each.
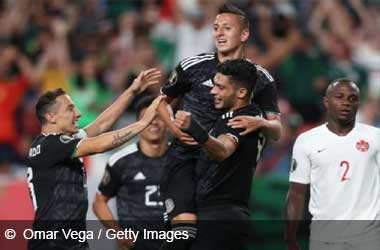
{"type": "Point", "coordinates": [57, 184]}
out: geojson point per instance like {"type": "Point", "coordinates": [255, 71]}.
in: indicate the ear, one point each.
{"type": "Point", "coordinates": [51, 117]}
{"type": "Point", "coordinates": [242, 93]}
{"type": "Point", "coordinates": [325, 101]}
{"type": "Point", "coordinates": [244, 35]}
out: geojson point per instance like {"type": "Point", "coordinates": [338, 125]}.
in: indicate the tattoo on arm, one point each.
{"type": "Point", "coordinates": [120, 139]}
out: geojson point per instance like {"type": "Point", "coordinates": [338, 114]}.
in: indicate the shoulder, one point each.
{"type": "Point", "coordinates": [263, 74]}
{"type": "Point", "coordinates": [311, 135]}
{"type": "Point", "coordinates": [126, 151]}
{"type": "Point", "coordinates": [368, 128]}
{"type": "Point", "coordinates": [190, 62]}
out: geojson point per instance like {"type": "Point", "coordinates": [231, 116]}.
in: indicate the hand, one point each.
{"type": "Point", "coordinates": [186, 138]}
{"type": "Point", "coordinates": [182, 119]}
{"type": "Point", "coordinates": [125, 244]}
{"type": "Point", "coordinates": [145, 79]}
{"type": "Point", "coordinates": [249, 123]}
{"type": "Point", "coordinates": [151, 111]}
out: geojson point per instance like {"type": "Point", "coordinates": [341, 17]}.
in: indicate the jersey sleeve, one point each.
{"type": "Point", "coordinates": [227, 130]}
{"type": "Point", "coordinates": [111, 181]}
{"type": "Point", "coordinates": [300, 166]}
{"type": "Point", "coordinates": [61, 147]}
{"type": "Point", "coordinates": [178, 83]}
{"type": "Point", "coordinates": [265, 94]}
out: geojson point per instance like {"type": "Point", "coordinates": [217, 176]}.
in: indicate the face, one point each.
{"type": "Point", "coordinates": [65, 115]}
{"type": "Point", "coordinates": [155, 132]}
{"type": "Point", "coordinates": [342, 103]}
{"type": "Point", "coordinates": [224, 92]}
{"type": "Point", "coordinates": [229, 33]}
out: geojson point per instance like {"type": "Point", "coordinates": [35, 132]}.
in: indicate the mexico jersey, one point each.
{"type": "Point", "coordinates": [133, 178]}
{"type": "Point", "coordinates": [229, 181]}
{"type": "Point", "coordinates": [192, 80]}
{"type": "Point", "coordinates": [343, 173]}
{"type": "Point", "coordinates": [58, 189]}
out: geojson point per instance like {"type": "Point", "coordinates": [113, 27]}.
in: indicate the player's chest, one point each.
{"type": "Point", "coordinates": [344, 159]}
{"type": "Point", "coordinates": [202, 80]}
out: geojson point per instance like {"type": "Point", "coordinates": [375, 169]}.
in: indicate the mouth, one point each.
{"type": "Point", "coordinates": [154, 129]}
{"type": "Point", "coordinates": [221, 41]}
{"type": "Point", "coordinates": [345, 112]}
{"type": "Point", "coordinates": [217, 101]}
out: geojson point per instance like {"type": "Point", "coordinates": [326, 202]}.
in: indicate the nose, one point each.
{"type": "Point", "coordinates": [77, 113]}
{"type": "Point", "coordinates": [213, 91]}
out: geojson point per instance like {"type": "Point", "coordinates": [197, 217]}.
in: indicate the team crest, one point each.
{"type": "Point", "coordinates": [362, 146]}
{"type": "Point", "coordinates": [106, 177]}
{"type": "Point", "coordinates": [65, 139]}
{"type": "Point", "coordinates": [169, 204]}
{"type": "Point", "coordinates": [173, 77]}
{"type": "Point", "coordinates": [293, 165]}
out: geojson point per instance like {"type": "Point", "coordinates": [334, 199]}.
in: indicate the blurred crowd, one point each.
{"type": "Point", "coordinates": [94, 48]}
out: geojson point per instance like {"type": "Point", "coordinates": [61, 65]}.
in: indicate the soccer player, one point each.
{"type": "Point", "coordinates": [227, 163]}
{"type": "Point", "coordinates": [340, 160]}
{"type": "Point", "coordinates": [56, 176]}
{"type": "Point", "coordinates": [133, 176]}
{"type": "Point", "coordinates": [192, 81]}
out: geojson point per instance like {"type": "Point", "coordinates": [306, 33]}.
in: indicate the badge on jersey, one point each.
{"type": "Point", "coordinates": [65, 139]}
{"type": "Point", "coordinates": [106, 178]}
{"type": "Point", "coordinates": [362, 146]}
{"type": "Point", "coordinates": [173, 77]}
{"type": "Point", "coordinates": [293, 165]}
{"type": "Point", "coordinates": [169, 204]}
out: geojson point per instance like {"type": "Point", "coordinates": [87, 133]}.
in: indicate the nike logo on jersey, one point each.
{"type": "Point", "coordinates": [139, 176]}
{"type": "Point", "coordinates": [208, 83]}
{"type": "Point", "coordinates": [321, 150]}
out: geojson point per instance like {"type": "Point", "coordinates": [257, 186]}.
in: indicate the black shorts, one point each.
{"type": "Point", "coordinates": [178, 183]}
{"type": "Point", "coordinates": [222, 227]}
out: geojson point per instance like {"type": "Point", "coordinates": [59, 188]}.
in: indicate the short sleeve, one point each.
{"type": "Point", "coordinates": [61, 147]}
{"type": "Point", "coordinates": [300, 167]}
{"type": "Point", "coordinates": [178, 83]}
{"type": "Point", "coordinates": [265, 94]}
{"type": "Point", "coordinates": [222, 128]}
{"type": "Point", "coordinates": [110, 182]}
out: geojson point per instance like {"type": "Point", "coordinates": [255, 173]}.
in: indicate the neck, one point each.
{"type": "Point", "coordinates": [153, 149]}
{"type": "Point", "coordinates": [239, 104]}
{"type": "Point", "coordinates": [238, 53]}
{"type": "Point", "coordinates": [51, 129]}
{"type": "Point", "coordinates": [339, 129]}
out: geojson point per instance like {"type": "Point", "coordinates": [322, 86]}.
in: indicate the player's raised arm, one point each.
{"type": "Point", "coordinates": [108, 117]}
{"type": "Point", "coordinates": [116, 138]}
{"type": "Point", "coordinates": [216, 148]}
{"type": "Point", "coordinates": [293, 214]}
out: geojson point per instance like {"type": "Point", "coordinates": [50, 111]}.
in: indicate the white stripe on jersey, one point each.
{"type": "Point", "coordinates": [265, 72]}
{"type": "Point", "coordinates": [193, 61]}
{"type": "Point", "coordinates": [187, 60]}
{"type": "Point", "coordinates": [130, 149]}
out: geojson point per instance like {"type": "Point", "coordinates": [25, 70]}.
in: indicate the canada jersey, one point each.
{"type": "Point", "coordinates": [58, 189]}
{"type": "Point", "coordinates": [343, 172]}
{"type": "Point", "coordinates": [192, 80]}
{"type": "Point", "coordinates": [133, 178]}
{"type": "Point", "coordinates": [229, 181]}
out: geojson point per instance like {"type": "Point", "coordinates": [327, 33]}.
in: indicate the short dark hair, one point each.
{"type": "Point", "coordinates": [233, 9]}
{"type": "Point", "coordinates": [143, 103]}
{"type": "Point", "coordinates": [240, 71]}
{"type": "Point", "coordinates": [45, 102]}
{"type": "Point", "coordinates": [341, 81]}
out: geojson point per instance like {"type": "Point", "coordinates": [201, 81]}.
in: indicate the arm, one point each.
{"type": "Point", "coordinates": [110, 140]}
{"type": "Point", "coordinates": [270, 127]}
{"type": "Point", "coordinates": [215, 148]}
{"type": "Point", "coordinates": [294, 207]}
{"type": "Point", "coordinates": [108, 117]}
{"type": "Point", "coordinates": [165, 113]}
{"type": "Point", "coordinates": [104, 214]}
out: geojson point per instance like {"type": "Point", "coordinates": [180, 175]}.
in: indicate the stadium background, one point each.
{"type": "Point", "coordinates": [94, 48]}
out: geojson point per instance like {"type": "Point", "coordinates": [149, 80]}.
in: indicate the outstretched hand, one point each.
{"type": "Point", "coordinates": [151, 111]}
{"type": "Point", "coordinates": [248, 123]}
{"type": "Point", "coordinates": [145, 79]}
